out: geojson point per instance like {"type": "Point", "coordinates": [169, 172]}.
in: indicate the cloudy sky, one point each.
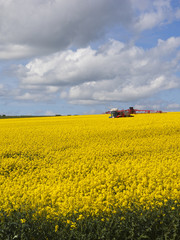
{"type": "Point", "coordinates": [87, 56]}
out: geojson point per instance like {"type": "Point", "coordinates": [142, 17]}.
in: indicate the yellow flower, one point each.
{"type": "Point", "coordinates": [68, 221]}
{"type": "Point", "coordinates": [80, 217]}
{"type": "Point", "coordinates": [73, 225]}
{"type": "Point", "coordinates": [56, 228]}
{"type": "Point", "coordinates": [23, 220]}
{"type": "Point", "coordinates": [89, 164]}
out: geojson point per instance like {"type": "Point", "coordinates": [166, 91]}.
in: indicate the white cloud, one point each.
{"type": "Point", "coordinates": [152, 13]}
{"type": "Point", "coordinates": [114, 72]}
{"type": "Point", "coordinates": [49, 26]}
{"type": "Point", "coordinates": [33, 96]}
{"type": "Point", "coordinates": [36, 27]}
{"type": "Point", "coordinates": [3, 91]}
{"type": "Point", "coordinates": [140, 106]}
{"type": "Point", "coordinates": [141, 5]}
{"type": "Point", "coordinates": [14, 51]}
{"type": "Point", "coordinates": [49, 113]}
{"type": "Point", "coordinates": [177, 13]}
{"type": "Point", "coordinates": [173, 106]}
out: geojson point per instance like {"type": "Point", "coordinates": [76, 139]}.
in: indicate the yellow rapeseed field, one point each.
{"type": "Point", "coordinates": [89, 164]}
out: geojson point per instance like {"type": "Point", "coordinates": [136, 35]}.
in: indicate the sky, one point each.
{"type": "Point", "coordinates": [86, 57]}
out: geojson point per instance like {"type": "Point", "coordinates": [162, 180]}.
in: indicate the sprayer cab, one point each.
{"type": "Point", "coordinates": [115, 113]}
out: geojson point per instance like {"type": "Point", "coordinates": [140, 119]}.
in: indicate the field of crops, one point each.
{"type": "Point", "coordinates": [75, 177]}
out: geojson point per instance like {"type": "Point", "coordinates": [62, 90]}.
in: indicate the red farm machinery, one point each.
{"type": "Point", "coordinates": [115, 113]}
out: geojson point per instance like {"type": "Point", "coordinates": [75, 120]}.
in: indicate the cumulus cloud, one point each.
{"type": "Point", "coordinates": [177, 13]}
{"type": "Point", "coordinates": [36, 27]}
{"type": "Point", "coordinates": [114, 72]}
{"type": "Point", "coordinates": [15, 51]}
{"type": "Point", "coordinates": [3, 91]}
{"type": "Point", "coordinates": [152, 13]}
{"type": "Point", "coordinates": [35, 93]}
{"type": "Point", "coordinates": [49, 113]}
{"type": "Point", "coordinates": [50, 25]}
{"type": "Point", "coordinates": [173, 106]}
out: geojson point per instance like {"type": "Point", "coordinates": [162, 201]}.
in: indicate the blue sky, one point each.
{"type": "Point", "coordinates": [85, 57]}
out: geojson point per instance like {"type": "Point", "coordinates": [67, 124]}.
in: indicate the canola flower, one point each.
{"type": "Point", "coordinates": [23, 220]}
{"type": "Point", "coordinates": [89, 164]}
